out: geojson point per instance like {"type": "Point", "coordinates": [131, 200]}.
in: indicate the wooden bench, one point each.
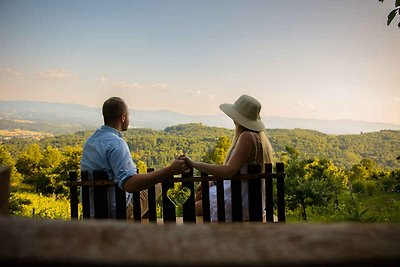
{"type": "Point", "coordinates": [275, 198]}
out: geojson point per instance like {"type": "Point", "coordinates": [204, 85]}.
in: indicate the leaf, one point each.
{"type": "Point", "coordinates": [397, 3]}
{"type": "Point", "coordinates": [391, 16]}
{"type": "Point", "coordinates": [363, 212]}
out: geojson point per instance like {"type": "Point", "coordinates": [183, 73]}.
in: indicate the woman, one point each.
{"type": "Point", "coordinates": [250, 144]}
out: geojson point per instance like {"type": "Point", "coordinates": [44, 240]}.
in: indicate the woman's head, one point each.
{"type": "Point", "coordinates": [245, 112]}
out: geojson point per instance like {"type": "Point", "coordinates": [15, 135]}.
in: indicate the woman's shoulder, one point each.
{"type": "Point", "coordinates": [247, 136]}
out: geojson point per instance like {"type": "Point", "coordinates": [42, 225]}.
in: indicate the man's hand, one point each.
{"type": "Point", "coordinates": [188, 160]}
{"type": "Point", "coordinates": [179, 166]}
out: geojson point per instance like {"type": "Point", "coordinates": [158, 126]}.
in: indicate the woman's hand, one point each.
{"type": "Point", "coordinates": [179, 166]}
{"type": "Point", "coordinates": [188, 160]}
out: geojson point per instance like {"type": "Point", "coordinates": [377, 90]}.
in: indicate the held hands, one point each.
{"type": "Point", "coordinates": [188, 160]}
{"type": "Point", "coordinates": [179, 166]}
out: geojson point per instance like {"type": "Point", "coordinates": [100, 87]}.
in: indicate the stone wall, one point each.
{"type": "Point", "coordinates": [25, 242]}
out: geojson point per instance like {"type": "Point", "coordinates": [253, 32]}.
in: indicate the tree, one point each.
{"type": "Point", "coordinates": [359, 172]}
{"type": "Point", "coordinates": [141, 166]}
{"type": "Point", "coordinates": [311, 182]}
{"type": "Point", "coordinates": [70, 161]}
{"type": "Point", "coordinates": [218, 153]}
{"type": "Point", "coordinates": [51, 158]}
{"type": "Point", "coordinates": [394, 12]}
{"type": "Point", "coordinates": [28, 163]}
{"type": "Point", "coordinates": [7, 159]}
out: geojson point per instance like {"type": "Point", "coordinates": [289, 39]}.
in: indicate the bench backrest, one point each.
{"type": "Point", "coordinates": [254, 177]}
{"type": "Point", "coordinates": [99, 184]}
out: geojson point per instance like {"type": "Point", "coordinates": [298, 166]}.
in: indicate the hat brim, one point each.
{"type": "Point", "coordinates": [229, 110]}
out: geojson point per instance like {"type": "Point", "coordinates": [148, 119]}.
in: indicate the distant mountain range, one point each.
{"type": "Point", "coordinates": [79, 116]}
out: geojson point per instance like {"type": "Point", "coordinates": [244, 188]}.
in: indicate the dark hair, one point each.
{"type": "Point", "coordinates": [113, 108]}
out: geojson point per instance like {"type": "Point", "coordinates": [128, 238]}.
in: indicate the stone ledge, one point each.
{"type": "Point", "coordinates": [110, 243]}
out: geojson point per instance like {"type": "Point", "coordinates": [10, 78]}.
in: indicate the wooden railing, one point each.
{"type": "Point", "coordinates": [274, 196]}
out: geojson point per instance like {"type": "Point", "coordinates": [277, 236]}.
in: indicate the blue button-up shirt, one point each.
{"type": "Point", "coordinates": [106, 150]}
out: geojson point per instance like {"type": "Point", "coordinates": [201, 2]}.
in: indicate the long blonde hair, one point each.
{"type": "Point", "coordinates": [267, 155]}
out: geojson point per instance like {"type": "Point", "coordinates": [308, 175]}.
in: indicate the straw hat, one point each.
{"type": "Point", "coordinates": [246, 112]}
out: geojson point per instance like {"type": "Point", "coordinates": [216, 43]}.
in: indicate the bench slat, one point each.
{"type": "Point", "coordinates": [85, 196]}
{"type": "Point", "coordinates": [220, 201]}
{"type": "Point", "coordinates": [236, 196]}
{"type": "Point", "coordinates": [100, 196]}
{"type": "Point", "coordinates": [205, 199]}
{"type": "Point", "coordinates": [281, 193]}
{"type": "Point", "coordinates": [269, 200]}
{"type": "Point", "coordinates": [168, 206]}
{"type": "Point", "coordinates": [189, 208]}
{"type": "Point", "coordinates": [74, 195]}
{"type": "Point", "coordinates": [254, 194]}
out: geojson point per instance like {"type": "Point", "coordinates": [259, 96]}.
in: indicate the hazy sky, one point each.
{"type": "Point", "coordinates": [318, 59]}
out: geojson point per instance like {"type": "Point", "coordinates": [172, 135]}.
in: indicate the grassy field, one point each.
{"type": "Point", "coordinates": [24, 202]}
{"type": "Point", "coordinates": [378, 207]}
{"type": "Point", "coordinates": [21, 133]}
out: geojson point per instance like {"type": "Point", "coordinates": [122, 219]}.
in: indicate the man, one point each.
{"type": "Point", "coordinates": [106, 150]}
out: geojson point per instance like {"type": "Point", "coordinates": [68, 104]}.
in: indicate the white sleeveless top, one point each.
{"type": "Point", "coordinates": [244, 189]}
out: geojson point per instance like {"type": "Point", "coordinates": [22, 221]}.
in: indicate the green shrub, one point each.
{"type": "Point", "coordinates": [388, 184]}
{"type": "Point", "coordinates": [370, 187]}
{"type": "Point", "coordinates": [38, 206]}
{"type": "Point", "coordinates": [357, 186]}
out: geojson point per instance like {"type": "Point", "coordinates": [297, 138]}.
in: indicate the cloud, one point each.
{"type": "Point", "coordinates": [54, 74]}
{"type": "Point", "coordinates": [306, 106]}
{"type": "Point", "coordinates": [103, 79]}
{"type": "Point", "coordinates": [126, 85]}
{"type": "Point", "coordinates": [12, 72]}
{"type": "Point", "coordinates": [150, 88]}
{"type": "Point", "coordinates": [159, 87]}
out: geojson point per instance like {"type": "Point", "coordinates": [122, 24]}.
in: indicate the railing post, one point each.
{"type": "Point", "coordinates": [220, 201]}
{"type": "Point", "coordinates": [85, 196]}
{"type": "Point", "coordinates": [73, 189]}
{"type": "Point", "coordinates": [137, 207]}
{"type": "Point", "coordinates": [120, 199]}
{"type": "Point", "coordinates": [100, 196]}
{"type": "Point", "coordinates": [205, 198]}
{"type": "Point", "coordinates": [169, 213]}
{"type": "Point", "coordinates": [189, 209]}
{"type": "Point", "coordinates": [254, 194]}
{"type": "Point", "coordinates": [236, 196]}
{"type": "Point", "coordinates": [269, 204]}
{"type": "Point", "coordinates": [5, 173]}
{"type": "Point", "coordinates": [281, 192]}
{"type": "Point", "coordinates": [151, 194]}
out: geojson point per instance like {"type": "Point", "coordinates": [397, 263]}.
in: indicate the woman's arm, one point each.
{"type": "Point", "coordinates": [240, 156]}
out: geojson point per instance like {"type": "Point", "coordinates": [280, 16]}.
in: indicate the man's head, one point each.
{"type": "Point", "coordinates": [115, 113]}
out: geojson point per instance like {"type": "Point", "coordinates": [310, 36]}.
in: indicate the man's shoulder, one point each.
{"type": "Point", "coordinates": [105, 137]}
{"type": "Point", "coordinates": [107, 132]}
